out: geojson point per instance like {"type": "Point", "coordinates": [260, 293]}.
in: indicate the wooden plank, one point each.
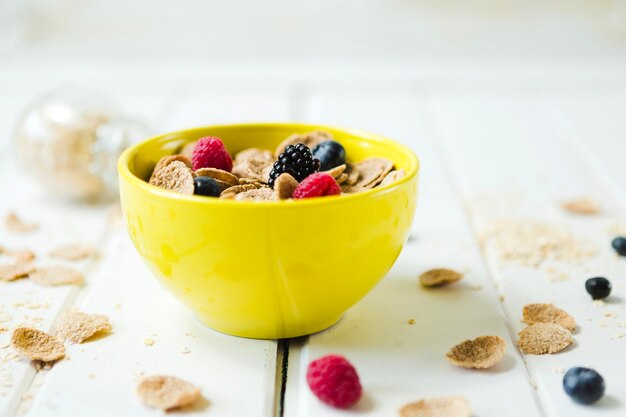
{"type": "Point", "coordinates": [512, 162]}
{"type": "Point", "coordinates": [399, 362]}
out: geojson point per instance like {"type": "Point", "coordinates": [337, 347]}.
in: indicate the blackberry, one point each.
{"type": "Point", "coordinates": [297, 161]}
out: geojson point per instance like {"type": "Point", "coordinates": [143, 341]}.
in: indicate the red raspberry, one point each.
{"type": "Point", "coordinates": [334, 381]}
{"type": "Point", "coordinates": [317, 185]}
{"type": "Point", "coordinates": [210, 152]}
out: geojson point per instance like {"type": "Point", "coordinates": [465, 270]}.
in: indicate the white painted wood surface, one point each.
{"type": "Point", "coordinates": [489, 150]}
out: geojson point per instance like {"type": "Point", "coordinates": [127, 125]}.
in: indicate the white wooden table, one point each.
{"type": "Point", "coordinates": [490, 147]}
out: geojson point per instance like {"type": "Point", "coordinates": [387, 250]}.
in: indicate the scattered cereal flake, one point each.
{"type": "Point", "coordinates": [392, 177]}
{"type": "Point", "coordinates": [559, 370]}
{"type": "Point", "coordinates": [284, 186]}
{"type": "Point", "coordinates": [548, 313]}
{"type": "Point", "coordinates": [185, 350]}
{"type": "Point", "coordinates": [502, 298]}
{"type": "Point", "coordinates": [14, 224]}
{"type": "Point", "coordinates": [148, 341]}
{"type": "Point", "coordinates": [439, 277]}
{"type": "Point", "coordinates": [176, 176]}
{"type": "Point", "coordinates": [218, 174]}
{"type": "Point", "coordinates": [372, 171]}
{"type": "Point", "coordinates": [411, 321]}
{"type": "Point", "coordinates": [438, 407]}
{"type": "Point", "coordinates": [533, 243]}
{"type": "Point", "coordinates": [584, 206]}
{"type": "Point", "coordinates": [21, 255]}
{"type": "Point", "coordinates": [475, 287]}
{"type": "Point", "coordinates": [57, 275]}
{"type": "Point", "coordinates": [542, 338]}
{"type": "Point", "coordinates": [482, 352]}
{"type": "Point", "coordinates": [167, 392]}
{"type": "Point", "coordinates": [73, 251]}
{"type": "Point", "coordinates": [609, 314]}
{"type": "Point", "coordinates": [76, 326]}
{"type": "Point", "coordinates": [37, 345]}
{"type": "Point", "coordinates": [310, 139]}
{"type": "Point", "coordinates": [15, 271]}
{"type": "Point", "coordinates": [618, 336]}
{"type": "Point", "coordinates": [259, 194]}
{"type": "Point", "coordinates": [187, 149]}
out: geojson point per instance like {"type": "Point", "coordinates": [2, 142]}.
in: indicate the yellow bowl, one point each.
{"type": "Point", "coordinates": [268, 269]}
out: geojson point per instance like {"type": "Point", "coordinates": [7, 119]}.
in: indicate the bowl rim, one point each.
{"type": "Point", "coordinates": [132, 179]}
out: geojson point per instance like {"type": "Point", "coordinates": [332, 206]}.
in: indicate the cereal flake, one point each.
{"type": "Point", "coordinates": [456, 406]}
{"type": "Point", "coordinates": [15, 271]}
{"type": "Point", "coordinates": [548, 313]}
{"type": "Point", "coordinates": [16, 225]}
{"type": "Point", "coordinates": [482, 352]}
{"type": "Point", "coordinates": [372, 171]}
{"type": "Point", "coordinates": [284, 186]}
{"type": "Point", "coordinates": [439, 277]}
{"type": "Point", "coordinates": [73, 251]}
{"type": "Point", "coordinates": [37, 345]}
{"type": "Point", "coordinates": [76, 326]}
{"type": "Point", "coordinates": [167, 392]}
{"type": "Point", "coordinates": [542, 338]}
{"type": "Point", "coordinates": [583, 206]}
{"type": "Point", "coordinates": [57, 275]}
{"type": "Point", "coordinates": [175, 176]}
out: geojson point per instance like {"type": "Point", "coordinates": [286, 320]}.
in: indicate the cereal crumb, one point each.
{"type": "Point", "coordinates": [475, 287]}
{"type": "Point", "coordinates": [148, 341]}
{"type": "Point", "coordinates": [482, 352]}
{"type": "Point", "coordinates": [542, 338]}
{"type": "Point", "coordinates": [548, 313]}
{"type": "Point", "coordinates": [584, 206]}
{"type": "Point", "coordinates": [167, 392]}
{"type": "Point", "coordinates": [185, 350]}
{"type": "Point", "coordinates": [37, 345]}
{"type": "Point", "coordinates": [76, 326]}
{"type": "Point", "coordinates": [439, 277]}
{"type": "Point", "coordinates": [411, 321]}
{"type": "Point", "coordinates": [559, 370]}
{"type": "Point", "coordinates": [91, 376]}
{"type": "Point", "coordinates": [437, 407]}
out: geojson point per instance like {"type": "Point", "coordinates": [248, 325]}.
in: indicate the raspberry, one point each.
{"type": "Point", "coordinates": [297, 161]}
{"type": "Point", "coordinates": [210, 152]}
{"type": "Point", "coordinates": [334, 381]}
{"type": "Point", "coordinates": [317, 185]}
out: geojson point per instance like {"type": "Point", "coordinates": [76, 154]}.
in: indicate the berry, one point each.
{"type": "Point", "coordinates": [583, 385]}
{"type": "Point", "coordinates": [598, 287]}
{"type": "Point", "coordinates": [317, 185]}
{"type": "Point", "coordinates": [297, 161]}
{"type": "Point", "coordinates": [330, 154]}
{"type": "Point", "coordinates": [334, 381]}
{"type": "Point", "coordinates": [206, 186]}
{"type": "Point", "coordinates": [619, 244]}
{"type": "Point", "coordinates": [210, 152]}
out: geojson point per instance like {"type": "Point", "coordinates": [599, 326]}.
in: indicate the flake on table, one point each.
{"type": "Point", "coordinates": [148, 341]}
{"type": "Point", "coordinates": [411, 321]}
{"type": "Point", "coordinates": [475, 287]}
{"type": "Point", "coordinates": [559, 370]}
{"type": "Point", "coordinates": [57, 275]}
{"type": "Point", "coordinates": [167, 392]}
{"type": "Point", "coordinates": [14, 224]}
{"type": "Point", "coordinates": [15, 271]}
{"type": "Point", "coordinates": [542, 338]}
{"type": "Point", "coordinates": [482, 352]}
{"type": "Point", "coordinates": [20, 256]}
{"type": "Point", "coordinates": [185, 350]}
{"type": "Point", "coordinates": [609, 314]}
{"type": "Point", "coordinates": [73, 251]}
{"type": "Point", "coordinates": [548, 313]}
{"type": "Point", "coordinates": [37, 345]}
{"type": "Point", "coordinates": [583, 206]}
{"type": "Point", "coordinates": [438, 407]}
{"type": "Point", "coordinates": [77, 327]}
{"type": "Point", "coordinates": [439, 277]}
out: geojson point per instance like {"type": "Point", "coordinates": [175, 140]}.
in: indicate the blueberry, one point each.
{"type": "Point", "coordinates": [583, 385]}
{"type": "Point", "coordinates": [206, 186]}
{"type": "Point", "coordinates": [330, 154]}
{"type": "Point", "coordinates": [598, 287]}
{"type": "Point", "coordinates": [619, 244]}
